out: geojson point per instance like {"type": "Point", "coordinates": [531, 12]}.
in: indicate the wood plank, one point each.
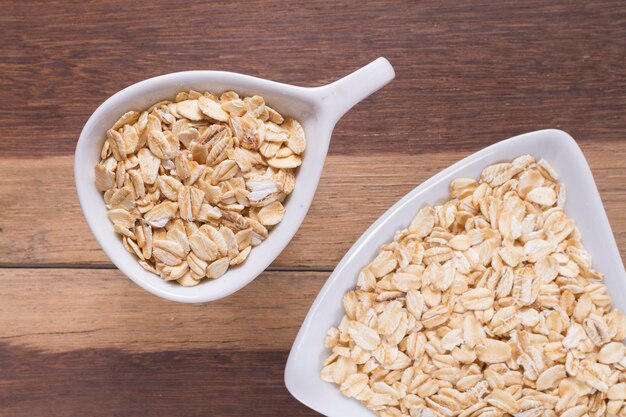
{"type": "Point", "coordinates": [492, 68]}
{"type": "Point", "coordinates": [117, 383]}
{"type": "Point", "coordinates": [119, 351]}
{"type": "Point", "coordinates": [60, 310]}
{"type": "Point", "coordinates": [42, 222]}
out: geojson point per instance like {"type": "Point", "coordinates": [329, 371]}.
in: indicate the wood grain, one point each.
{"type": "Point", "coordinates": [487, 70]}
{"type": "Point", "coordinates": [84, 342]}
{"type": "Point", "coordinates": [77, 338]}
{"type": "Point", "coordinates": [62, 310]}
{"type": "Point", "coordinates": [107, 382]}
{"type": "Point", "coordinates": [46, 226]}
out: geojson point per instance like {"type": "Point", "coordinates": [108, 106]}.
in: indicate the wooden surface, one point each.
{"type": "Point", "coordinates": [77, 338]}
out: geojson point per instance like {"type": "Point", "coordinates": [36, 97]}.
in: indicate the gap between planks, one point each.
{"type": "Point", "coordinates": [113, 267]}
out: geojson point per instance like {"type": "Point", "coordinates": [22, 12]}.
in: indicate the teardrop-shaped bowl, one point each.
{"type": "Point", "coordinates": [317, 109]}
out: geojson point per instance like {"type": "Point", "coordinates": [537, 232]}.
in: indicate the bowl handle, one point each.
{"type": "Point", "coordinates": [337, 98]}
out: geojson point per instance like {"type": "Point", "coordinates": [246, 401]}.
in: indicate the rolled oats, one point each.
{"type": "Point", "coordinates": [486, 305]}
{"type": "Point", "coordinates": [192, 185]}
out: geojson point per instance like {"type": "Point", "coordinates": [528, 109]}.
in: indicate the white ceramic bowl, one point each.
{"type": "Point", "coordinates": [583, 204]}
{"type": "Point", "coordinates": [318, 110]}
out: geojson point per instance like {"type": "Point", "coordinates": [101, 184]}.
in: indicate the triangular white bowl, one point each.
{"type": "Point", "coordinates": [583, 204]}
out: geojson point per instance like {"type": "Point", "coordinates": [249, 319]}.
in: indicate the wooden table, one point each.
{"type": "Point", "coordinates": [79, 339]}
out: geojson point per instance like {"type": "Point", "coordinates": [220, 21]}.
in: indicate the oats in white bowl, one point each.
{"type": "Point", "coordinates": [487, 305]}
{"type": "Point", "coordinates": [192, 185]}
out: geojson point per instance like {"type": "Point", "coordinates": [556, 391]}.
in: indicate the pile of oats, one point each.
{"type": "Point", "coordinates": [485, 306]}
{"type": "Point", "coordinates": [192, 185]}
